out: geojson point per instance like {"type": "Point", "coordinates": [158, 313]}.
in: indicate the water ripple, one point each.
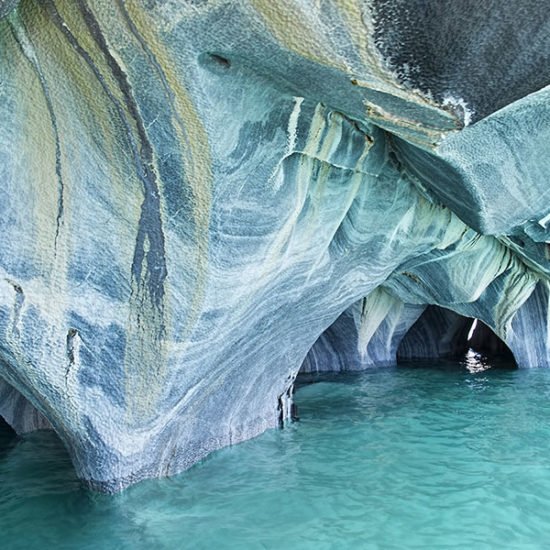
{"type": "Point", "coordinates": [440, 457]}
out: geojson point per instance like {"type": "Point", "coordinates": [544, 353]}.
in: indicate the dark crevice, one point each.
{"type": "Point", "coordinates": [6, 431]}
{"type": "Point", "coordinates": [286, 408]}
{"type": "Point", "coordinates": [221, 61]}
{"type": "Point", "coordinates": [215, 63]}
{"type": "Point", "coordinates": [8, 437]}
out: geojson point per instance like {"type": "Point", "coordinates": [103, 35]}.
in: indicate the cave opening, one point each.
{"type": "Point", "coordinates": [5, 428]}
{"type": "Point", "coordinates": [440, 333]}
{"type": "Point", "coordinates": [7, 435]}
{"type": "Point", "coordinates": [18, 412]}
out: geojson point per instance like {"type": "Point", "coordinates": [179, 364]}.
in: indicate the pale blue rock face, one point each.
{"type": "Point", "coordinates": [367, 334]}
{"type": "Point", "coordinates": [6, 6]}
{"type": "Point", "coordinates": [194, 192]}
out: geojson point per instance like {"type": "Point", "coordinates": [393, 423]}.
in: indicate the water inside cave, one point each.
{"type": "Point", "coordinates": [428, 454]}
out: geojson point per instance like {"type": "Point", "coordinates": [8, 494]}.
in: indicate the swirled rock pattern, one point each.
{"type": "Point", "coordinates": [194, 191]}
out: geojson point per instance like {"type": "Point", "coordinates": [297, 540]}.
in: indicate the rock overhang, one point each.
{"type": "Point", "coordinates": [194, 192]}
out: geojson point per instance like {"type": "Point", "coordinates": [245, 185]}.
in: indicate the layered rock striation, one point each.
{"type": "Point", "coordinates": [200, 197]}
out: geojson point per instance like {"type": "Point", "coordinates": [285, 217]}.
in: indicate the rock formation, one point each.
{"type": "Point", "coordinates": [196, 193]}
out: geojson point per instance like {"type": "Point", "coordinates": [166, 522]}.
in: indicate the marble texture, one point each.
{"type": "Point", "coordinates": [367, 334]}
{"type": "Point", "coordinates": [193, 192]}
{"type": "Point", "coordinates": [18, 412]}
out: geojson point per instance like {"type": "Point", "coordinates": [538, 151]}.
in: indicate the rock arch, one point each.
{"type": "Point", "coordinates": [193, 193]}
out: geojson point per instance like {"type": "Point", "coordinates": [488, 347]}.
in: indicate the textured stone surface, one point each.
{"type": "Point", "coordinates": [6, 6]}
{"type": "Point", "coordinates": [18, 412]}
{"type": "Point", "coordinates": [367, 334]}
{"type": "Point", "coordinates": [483, 55]}
{"type": "Point", "coordinates": [193, 192]}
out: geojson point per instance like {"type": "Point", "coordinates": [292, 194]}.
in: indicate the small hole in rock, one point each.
{"type": "Point", "coordinates": [221, 61]}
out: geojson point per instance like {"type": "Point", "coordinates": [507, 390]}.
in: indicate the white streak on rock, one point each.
{"type": "Point", "coordinates": [293, 124]}
{"type": "Point", "coordinates": [544, 221]}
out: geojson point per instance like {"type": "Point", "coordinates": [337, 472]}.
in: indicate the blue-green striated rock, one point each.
{"type": "Point", "coordinates": [6, 6]}
{"type": "Point", "coordinates": [367, 334]}
{"type": "Point", "coordinates": [194, 192]}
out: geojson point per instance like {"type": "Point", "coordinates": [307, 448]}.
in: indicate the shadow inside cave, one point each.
{"type": "Point", "coordinates": [8, 437]}
{"type": "Point", "coordinates": [442, 334]}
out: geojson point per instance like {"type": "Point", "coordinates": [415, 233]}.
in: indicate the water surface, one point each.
{"type": "Point", "coordinates": [425, 457]}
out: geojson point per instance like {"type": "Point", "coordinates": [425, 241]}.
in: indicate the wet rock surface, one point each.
{"type": "Point", "coordinates": [194, 192]}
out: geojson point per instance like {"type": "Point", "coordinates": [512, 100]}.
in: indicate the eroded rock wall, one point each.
{"type": "Point", "coordinates": [193, 192]}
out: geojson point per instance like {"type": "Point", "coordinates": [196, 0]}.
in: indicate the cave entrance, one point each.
{"type": "Point", "coordinates": [18, 412]}
{"type": "Point", "coordinates": [5, 429]}
{"type": "Point", "coordinates": [7, 436]}
{"type": "Point", "coordinates": [440, 333]}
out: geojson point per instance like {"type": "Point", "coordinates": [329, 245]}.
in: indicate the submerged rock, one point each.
{"type": "Point", "coordinates": [194, 192]}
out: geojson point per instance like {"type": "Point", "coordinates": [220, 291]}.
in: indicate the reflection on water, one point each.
{"type": "Point", "coordinates": [476, 362]}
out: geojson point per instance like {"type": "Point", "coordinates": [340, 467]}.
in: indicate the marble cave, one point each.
{"type": "Point", "coordinates": [201, 199]}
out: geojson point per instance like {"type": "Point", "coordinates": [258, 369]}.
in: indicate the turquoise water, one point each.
{"type": "Point", "coordinates": [393, 458]}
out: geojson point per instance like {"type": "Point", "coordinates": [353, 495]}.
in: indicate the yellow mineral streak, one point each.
{"type": "Point", "coordinates": [195, 149]}
{"type": "Point", "coordinates": [297, 28]}
{"type": "Point", "coordinates": [357, 17]}
{"type": "Point", "coordinates": [75, 23]}
{"type": "Point", "coordinates": [53, 229]}
{"type": "Point", "coordinates": [148, 337]}
{"type": "Point", "coordinates": [292, 27]}
{"type": "Point", "coordinates": [37, 151]}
